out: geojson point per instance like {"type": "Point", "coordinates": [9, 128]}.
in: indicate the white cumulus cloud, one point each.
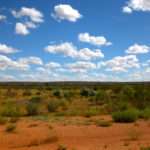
{"type": "Point", "coordinates": [21, 29]}
{"type": "Point", "coordinates": [66, 12]}
{"type": "Point", "coordinates": [7, 49]}
{"type": "Point", "coordinates": [95, 40]}
{"type": "Point", "coordinates": [138, 49]}
{"type": "Point", "coordinates": [68, 49]}
{"type": "Point", "coordinates": [2, 17]}
{"type": "Point", "coordinates": [121, 63]}
{"type": "Point", "coordinates": [136, 5]}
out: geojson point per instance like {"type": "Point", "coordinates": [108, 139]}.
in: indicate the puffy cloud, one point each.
{"type": "Point", "coordinates": [21, 29]}
{"type": "Point", "coordinates": [20, 64]}
{"type": "Point", "coordinates": [68, 49]}
{"type": "Point", "coordinates": [66, 12]}
{"type": "Point", "coordinates": [127, 10]}
{"type": "Point", "coordinates": [95, 40]}
{"type": "Point", "coordinates": [52, 65]}
{"type": "Point", "coordinates": [34, 14]}
{"type": "Point", "coordinates": [120, 63]}
{"type": "Point", "coordinates": [137, 5]}
{"type": "Point", "coordinates": [2, 17]}
{"type": "Point", "coordinates": [138, 49]}
{"type": "Point", "coordinates": [81, 66]}
{"type": "Point", "coordinates": [31, 60]}
{"type": "Point", "coordinates": [7, 49]}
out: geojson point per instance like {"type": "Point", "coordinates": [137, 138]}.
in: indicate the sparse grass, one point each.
{"type": "Point", "coordinates": [10, 128]}
{"type": "Point", "coordinates": [3, 120]}
{"type": "Point", "coordinates": [13, 119]}
{"type": "Point", "coordinates": [62, 147]}
{"type": "Point", "coordinates": [103, 123]}
{"type": "Point", "coordinates": [145, 114]}
{"type": "Point", "coordinates": [133, 135]}
{"type": "Point", "coordinates": [145, 148]}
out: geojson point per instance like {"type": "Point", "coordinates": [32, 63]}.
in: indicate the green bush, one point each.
{"type": "Point", "coordinates": [145, 114]}
{"type": "Point", "coordinates": [57, 93]}
{"type": "Point", "coordinates": [126, 116]}
{"type": "Point", "coordinates": [32, 109]}
{"type": "Point", "coordinates": [10, 110]}
{"type": "Point", "coordinates": [53, 105]}
{"type": "Point", "coordinates": [91, 112]}
{"type": "Point", "coordinates": [36, 99]}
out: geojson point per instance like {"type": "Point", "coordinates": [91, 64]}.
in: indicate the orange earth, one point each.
{"type": "Point", "coordinates": [42, 135]}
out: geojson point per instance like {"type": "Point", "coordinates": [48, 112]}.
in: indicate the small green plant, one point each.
{"type": "Point", "coordinates": [145, 114]}
{"type": "Point", "coordinates": [126, 116]}
{"type": "Point", "coordinates": [103, 123]}
{"type": "Point", "coordinates": [57, 93]}
{"type": "Point", "coordinates": [2, 120]}
{"type": "Point", "coordinates": [32, 109]}
{"type": "Point", "coordinates": [11, 110]}
{"type": "Point", "coordinates": [10, 128]}
{"type": "Point", "coordinates": [145, 148]}
{"type": "Point", "coordinates": [53, 105]}
{"type": "Point", "coordinates": [62, 147]}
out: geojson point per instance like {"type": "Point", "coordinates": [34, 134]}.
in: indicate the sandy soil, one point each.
{"type": "Point", "coordinates": [40, 135]}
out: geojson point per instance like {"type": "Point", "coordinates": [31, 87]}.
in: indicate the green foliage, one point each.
{"type": "Point", "coordinates": [145, 114]}
{"type": "Point", "coordinates": [92, 111]}
{"type": "Point", "coordinates": [10, 128]}
{"type": "Point", "coordinates": [57, 93]}
{"type": "Point", "coordinates": [53, 105]}
{"type": "Point", "coordinates": [11, 110]}
{"type": "Point", "coordinates": [84, 92]}
{"type": "Point", "coordinates": [36, 99]}
{"type": "Point", "coordinates": [32, 109]}
{"type": "Point", "coordinates": [126, 116]}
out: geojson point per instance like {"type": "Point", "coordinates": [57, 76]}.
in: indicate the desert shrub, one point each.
{"type": "Point", "coordinates": [32, 109]}
{"type": "Point", "coordinates": [11, 110]}
{"type": "Point", "coordinates": [100, 97]}
{"type": "Point", "coordinates": [145, 148]}
{"type": "Point", "coordinates": [84, 92]}
{"type": "Point", "coordinates": [27, 93]}
{"type": "Point", "coordinates": [54, 105]}
{"type": "Point", "coordinates": [36, 99]}
{"type": "Point", "coordinates": [57, 93]}
{"type": "Point", "coordinates": [13, 119]}
{"type": "Point", "coordinates": [10, 128]}
{"type": "Point", "coordinates": [62, 147]}
{"type": "Point", "coordinates": [2, 120]}
{"type": "Point", "coordinates": [103, 123]}
{"type": "Point", "coordinates": [91, 112]}
{"type": "Point", "coordinates": [145, 114]}
{"type": "Point", "coordinates": [126, 116]}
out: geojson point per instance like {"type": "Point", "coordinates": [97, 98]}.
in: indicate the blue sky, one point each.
{"type": "Point", "coordinates": [99, 40]}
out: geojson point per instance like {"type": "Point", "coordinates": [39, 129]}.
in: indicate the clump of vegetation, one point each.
{"type": "Point", "coordinates": [36, 99]}
{"type": "Point", "coordinates": [2, 120]}
{"type": "Point", "coordinates": [32, 109]}
{"type": "Point", "coordinates": [103, 123]}
{"type": "Point", "coordinates": [53, 105]}
{"type": "Point", "coordinates": [145, 148]}
{"type": "Point", "coordinates": [13, 119]}
{"type": "Point", "coordinates": [10, 128]}
{"type": "Point", "coordinates": [62, 147]}
{"type": "Point", "coordinates": [57, 93]}
{"type": "Point", "coordinates": [11, 110]}
{"type": "Point", "coordinates": [145, 114]}
{"type": "Point", "coordinates": [91, 112]}
{"type": "Point", "coordinates": [126, 116]}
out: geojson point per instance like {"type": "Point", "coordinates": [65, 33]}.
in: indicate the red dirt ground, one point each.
{"type": "Point", "coordinates": [40, 135]}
